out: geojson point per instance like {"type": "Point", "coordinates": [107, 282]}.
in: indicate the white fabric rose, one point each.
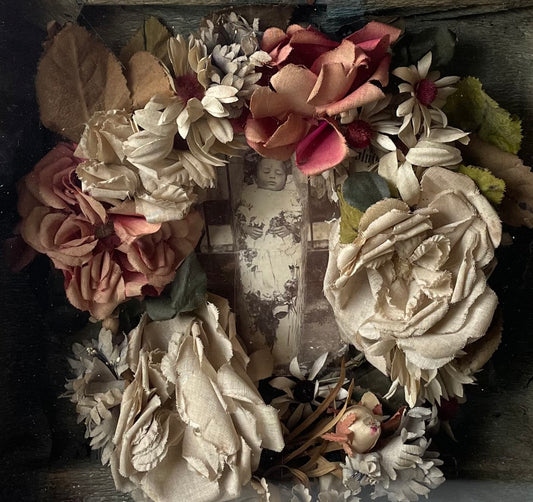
{"type": "Point", "coordinates": [192, 425]}
{"type": "Point", "coordinates": [410, 292]}
{"type": "Point", "coordinates": [104, 136]}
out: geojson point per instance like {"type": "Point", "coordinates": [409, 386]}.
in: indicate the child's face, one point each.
{"type": "Point", "coordinates": [271, 175]}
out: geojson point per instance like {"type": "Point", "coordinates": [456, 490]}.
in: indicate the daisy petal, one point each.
{"type": "Point", "coordinates": [424, 65]}
{"type": "Point", "coordinates": [408, 184]}
{"type": "Point", "coordinates": [385, 142]}
{"type": "Point", "coordinates": [295, 370]}
{"type": "Point", "coordinates": [405, 107]}
{"type": "Point", "coordinates": [317, 366]}
{"type": "Point", "coordinates": [445, 81]}
{"type": "Point", "coordinates": [406, 74]}
{"type": "Point", "coordinates": [282, 383]}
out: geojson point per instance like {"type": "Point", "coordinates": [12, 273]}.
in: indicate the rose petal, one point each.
{"type": "Point", "coordinates": [366, 93]}
{"type": "Point", "coordinates": [374, 30]}
{"type": "Point", "coordinates": [332, 84]}
{"type": "Point", "coordinates": [324, 148]}
{"type": "Point", "coordinates": [295, 84]}
{"type": "Point", "coordinates": [271, 38]}
{"type": "Point", "coordinates": [267, 103]}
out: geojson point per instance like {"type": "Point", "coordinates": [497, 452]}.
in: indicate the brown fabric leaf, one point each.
{"type": "Point", "coordinates": [146, 77]}
{"type": "Point", "coordinates": [151, 37]}
{"type": "Point", "coordinates": [76, 77]}
{"type": "Point", "coordinates": [517, 206]}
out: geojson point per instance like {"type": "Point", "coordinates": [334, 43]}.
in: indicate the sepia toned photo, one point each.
{"type": "Point", "coordinates": [266, 248]}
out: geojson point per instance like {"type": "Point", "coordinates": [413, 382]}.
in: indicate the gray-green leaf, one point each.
{"type": "Point", "coordinates": [362, 189]}
{"type": "Point", "coordinates": [187, 292]}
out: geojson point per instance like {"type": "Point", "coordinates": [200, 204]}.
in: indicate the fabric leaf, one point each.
{"type": "Point", "coordinates": [350, 217]}
{"type": "Point", "coordinates": [152, 37]}
{"type": "Point", "coordinates": [146, 77]}
{"type": "Point", "coordinates": [517, 206]}
{"type": "Point", "coordinates": [414, 46]}
{"type": "Point", "coordinates": [362, 189]}
{"type": "Point", "coordinates": [491, 187]}
{"type": "Point", "coordinates": [76, 77]}
{"type": "Point", "coordinates": [471, 109]}
{"type": "Point", "coordinates": [187, 292]}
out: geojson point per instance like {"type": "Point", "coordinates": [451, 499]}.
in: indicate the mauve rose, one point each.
{"type": "Point", "coordinates": [68, 239]}
{"type": "Point", "coordinates": [97, 287]}
{"type": "Point", "coordinates": [298, 45]}
{"type": "Point", "coordinates": [157, 256]}
{"type": "Point", "coordinates": [132, 260]}
{"type": "Point", "coordinates": [105, 257]}
{"type": "Point", "coordinates": [295, 113]}
{"type": "Point", "coordinates": [53, 183]}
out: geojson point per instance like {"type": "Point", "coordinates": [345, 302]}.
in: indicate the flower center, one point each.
{"type": "Point", "coordinates": [426, 92]}
{"type": "Point", "coordinates": [304, 391]}
{"type": "Point", "coordinates": [105, 230]}
{"type": "Point", "coordinates": [188, 87]}
{"type": "Point", "coordinates": [359, 134]}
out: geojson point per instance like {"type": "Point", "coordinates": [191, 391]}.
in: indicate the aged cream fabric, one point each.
{"type": "Point", "coordinates": [410, 292]}
{"type": "Point", "coordinates": [191, 424]}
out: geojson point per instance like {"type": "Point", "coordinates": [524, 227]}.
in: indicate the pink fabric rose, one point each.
{"type": "Point", "coordinates": [295, 113]}
{"type": "Point", "coordinates": [106, 257]}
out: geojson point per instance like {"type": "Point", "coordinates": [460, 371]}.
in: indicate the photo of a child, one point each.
{"type": "Point", "coordinates": [269, 221]}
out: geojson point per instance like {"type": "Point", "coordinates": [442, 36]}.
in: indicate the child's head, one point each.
{"type": "Point", "coordinates": [271, 174]}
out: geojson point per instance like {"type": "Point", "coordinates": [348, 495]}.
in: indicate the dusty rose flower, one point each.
{"type": "Point", "coordinates": [157, 256]}
{"type": "Point", "coordinates": [105, 257]}
{"type": "Point", "coordinates": [298, 45]}
{"type": "Point", "coordinates": [294, 113]}
{"type": "Point", "coordinates": [68, 239]}
{"type": "Point", "coordinates": [411, 292]}
{"type": "Point", "coordinates": [53, 183]}
{"type": "Point", "coordinates": [136, 259]}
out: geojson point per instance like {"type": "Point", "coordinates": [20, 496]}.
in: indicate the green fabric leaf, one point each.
{"type": "Point", "coordinates": [471, 109]}
{"type": "Point", "coordinates": [414, 46]}
{"type": "Point", "coordinates": [129, 315]}
{"type": "Point", "coordinates": [362, 189]}
{"type": "Point", "coordinates": [491, 187]}
{"type": "Point", "coordinates": [350, 217]}
{"type": "Point", "coordinates": [152, 37]}
{"type": "Point", "coordinates": [187, 292]}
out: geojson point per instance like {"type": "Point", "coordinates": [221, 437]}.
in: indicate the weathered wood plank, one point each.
{"type": "Point", "coordinates": [42, 452]}
{"type": "Point", "coordinates": [366, 5]}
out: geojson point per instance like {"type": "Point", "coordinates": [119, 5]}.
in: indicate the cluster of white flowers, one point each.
{"type": "Point", "coordinates": [98, 387]}
{"type": "Point", "coordinates": [151, 162]}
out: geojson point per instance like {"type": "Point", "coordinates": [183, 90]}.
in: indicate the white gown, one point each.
{"type": "Point", "coordinates": [270, 269]}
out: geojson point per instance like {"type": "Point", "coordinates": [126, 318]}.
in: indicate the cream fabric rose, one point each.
{"type": "Point", "coordinates": [191, 424]}
{"type": "Point", "coordinates": [104, 136]}
{"type": "Point", "coordinates": [410, 292]}
{"type": "Point", "coordinates": [110, 183]}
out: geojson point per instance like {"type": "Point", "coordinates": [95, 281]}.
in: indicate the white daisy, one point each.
{"type": "Point", "coordinates": [428, 94]}
{"type": "Point", "coordinates": [403, 170]}
{"type": "Point", "coordinates": [370, 124]}
{"type": "Point", "coordinates": [192, 122]}
{"type": "Point", "coordinates": [302, 389]}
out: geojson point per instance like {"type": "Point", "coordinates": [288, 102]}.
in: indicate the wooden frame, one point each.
{"type": "Point", "coordinates": [494, 430]}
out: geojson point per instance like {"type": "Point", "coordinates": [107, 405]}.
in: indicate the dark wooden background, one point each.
{"type": "Point", "coordinates": [43, 455]}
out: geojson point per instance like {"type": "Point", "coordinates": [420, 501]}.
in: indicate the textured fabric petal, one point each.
{"type": "Point", "coordinates": [323, 148]}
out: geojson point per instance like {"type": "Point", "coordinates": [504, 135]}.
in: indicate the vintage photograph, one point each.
{"type": "Point", "coordinates": [266, 248]}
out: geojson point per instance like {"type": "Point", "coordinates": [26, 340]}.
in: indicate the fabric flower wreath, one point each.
{"type": "Point", "coordinates": [410, 292]}
{"type": "Point", "coordinates": [105, 256]}
{"type": "Point", "coordinates": [316, 80]}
